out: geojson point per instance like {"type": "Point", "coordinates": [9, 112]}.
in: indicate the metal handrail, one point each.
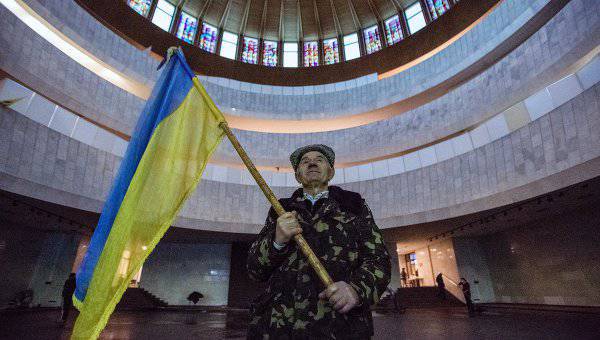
{"type": "Point", "coordinates": [449, 279]}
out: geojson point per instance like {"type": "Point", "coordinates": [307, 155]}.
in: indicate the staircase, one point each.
{"type": "Point", "coordinates": [139, 298]}
{"type": "Point", "coordinates": [418, 297]}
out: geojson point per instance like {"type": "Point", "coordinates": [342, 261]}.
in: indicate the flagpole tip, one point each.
{"type": "Point", "coordinates": [170, 52]}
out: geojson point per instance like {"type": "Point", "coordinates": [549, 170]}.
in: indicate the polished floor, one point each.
{"type": "Point", "coordinates": [450, 323]}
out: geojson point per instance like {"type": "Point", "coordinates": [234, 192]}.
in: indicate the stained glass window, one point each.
{"type": "Point", "coordinates": [437, 7]}
{"type": "Point", "coordinates": [250, 51]}
{"type": "Point", "coordinates": [393, 30]}
{"type": "Point", "coordinates": [208, 38]}
{"type": "Point", "coordinates": [414, 17]}
{"type": "Point", "coordinates": [229, 45]}
{"type": "Point", "coordinates": [331, 51]}
{"type": "Point", "coordinates": [187, 28]}
{"type": "Point", "coordinates": [372, 39]}
{"type": "Point", "coordinates": [290, 54]}
{"type": "Point", "coordinates": [351, 48]}
{"type": "Point", "coordinates": [140, 6]}
{"type": "Point", "coordinates": [163, 15]}
{"type": "Point", "coordinates": [270, 53]}
{"type": "Point", "coordinates": [311, 53]}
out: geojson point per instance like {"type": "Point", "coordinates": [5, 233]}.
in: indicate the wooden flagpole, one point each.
{"type": "Point", "coordinates": [313, 260]}
{"type": "Point", "coordinates": [300, 241]}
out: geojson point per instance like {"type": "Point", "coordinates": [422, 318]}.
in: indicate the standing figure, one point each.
{"type": "Point", "coordinates": [439, 279]}
{"type": "Point", "coordinates": [67, 297]}
{"type": "Point", "coordinates": [403, 278]}
{"type": "Point", "coordinates": [339, 227]}
{"type": "Point", "coordinates": [466, 288]}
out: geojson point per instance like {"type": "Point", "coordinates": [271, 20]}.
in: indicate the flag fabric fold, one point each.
{"type": "Point", "coordinates": [176, 134]}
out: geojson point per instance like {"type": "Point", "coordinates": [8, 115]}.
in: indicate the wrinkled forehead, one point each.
{"type": "Point", "coordinates": [312, 155]}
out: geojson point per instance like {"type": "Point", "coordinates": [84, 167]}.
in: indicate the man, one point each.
{"type": "Point", "coordinates": [439, 279]}
{"type": "Point", "coordinates": [67, 296]}
{"type": "Point", "coordinates": [466, 288]}
{"type": "Point", "coordinates": [403, 278]}
{"type": "Point", "coordinates": [340, 229]}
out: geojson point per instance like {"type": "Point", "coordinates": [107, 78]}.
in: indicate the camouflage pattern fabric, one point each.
{"type": "Point", "coordinates": [341, 231]}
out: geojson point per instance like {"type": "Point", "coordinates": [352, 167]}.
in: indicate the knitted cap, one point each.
{"type": "Point", "coordinates": [296, 156]}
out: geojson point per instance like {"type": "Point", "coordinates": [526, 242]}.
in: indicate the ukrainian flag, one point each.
{"type": "Point", "coordinates": [175, 135]}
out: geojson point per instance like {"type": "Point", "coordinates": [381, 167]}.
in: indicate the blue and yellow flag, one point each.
{"type": "Point", "coordinates": [175, 135]}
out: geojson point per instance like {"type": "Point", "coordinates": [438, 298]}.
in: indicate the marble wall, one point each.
{"type": "Point", "coordinates": [174, 270]}
{"type": "Point", "coordinates": [40, 162]}
{"type": "Point", "coordinates": [551, 261]}
{"type": "Point", "coordinates": [424, 267]}
{"type": "Point", "coordinates": [473, 266]}
{"type": "Point", "coordinates": [40, 261]}
{"type": "Point", "coordinates": [443, 260]}
{"type": "Point", "coordinates": [539, 61]}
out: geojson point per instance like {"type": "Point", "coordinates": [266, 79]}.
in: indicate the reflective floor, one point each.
{"type": "Point", "coordinates": [450, 323]}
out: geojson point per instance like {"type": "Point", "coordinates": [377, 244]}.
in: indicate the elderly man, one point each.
{"type": "Point", "coordinates": [340, 229]}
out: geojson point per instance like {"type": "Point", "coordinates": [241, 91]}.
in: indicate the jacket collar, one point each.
{"type": "Point", "coordinates": [338, 198]}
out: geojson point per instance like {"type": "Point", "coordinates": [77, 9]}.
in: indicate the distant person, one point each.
{"type": "Point", "coordinates": [439, 279]}
{"type": "Point", "coordinates": [416, 282]}
{"type": "Point", "coordinates": [67, 296]}
{"type": "Point", "coordinates": [403, 277]}
{"type": "Point", "coordinates": [394, 298]}
{"type": "Point", "coordinates": [466, 288]}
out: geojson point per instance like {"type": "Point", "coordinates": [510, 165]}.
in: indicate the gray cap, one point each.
{"type": "Point", "coordinates": [296, 156]}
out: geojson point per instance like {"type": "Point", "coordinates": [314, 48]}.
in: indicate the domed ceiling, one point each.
{"type": "Point", "coordinates": [292, 20]}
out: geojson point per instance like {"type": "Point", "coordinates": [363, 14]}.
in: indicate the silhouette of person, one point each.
{"type": "Point", "coordinates": [403, 277]}
{"type": "Point", "coordinates": [466, 288]}
{"type": "Point", "coordinates": [439, 279]}
{"type": "Point", "coordinates": [67, 296]}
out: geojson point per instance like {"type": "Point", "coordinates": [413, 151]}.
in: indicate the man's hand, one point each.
{"type": "Point", "coordinates": [287, 227]}
{"type": "Point", "coordinates": [341, 295]}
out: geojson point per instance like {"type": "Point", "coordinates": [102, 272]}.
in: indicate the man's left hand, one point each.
{"type": "Point", "coordinates": [341, 295]}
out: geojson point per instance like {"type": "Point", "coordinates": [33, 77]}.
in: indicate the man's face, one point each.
{"type": "Point", "coordinates": [314, 169]}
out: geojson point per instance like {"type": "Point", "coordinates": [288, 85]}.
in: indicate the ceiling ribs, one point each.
{"type": "Point", "coordinates": [374, 11]}
{"type": "Point", "coordinates": [319, 29]}
{"type": "Point", "coordinates": [224, 15]}
{"type": "Point", "coordinates": [244, 22]}
{"type": "Point", "coordinates": [355, 19]}
{"type": "Point", "coordinates": [396, 5]}
{"type": "Point", "coordinates": [336, 20]}
{"type": "Point", "coordinates": [300, 32]}
{"type": "Point", "coordinates": [263, 19]}
{"type": "Point", "coordinates": [281, 28]}
{"type": "Point", "coordinates": [204, 9]}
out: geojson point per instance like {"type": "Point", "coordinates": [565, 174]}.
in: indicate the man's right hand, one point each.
{"type": "Point", "coordinates": [287, 227]}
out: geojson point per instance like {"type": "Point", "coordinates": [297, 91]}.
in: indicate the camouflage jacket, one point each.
{"type": "Point", "coordinates": [341, 231]}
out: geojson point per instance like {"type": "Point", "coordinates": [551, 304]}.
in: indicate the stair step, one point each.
{"type": "Point", "coordinates": [415, 297]}
{"type": "Point", "coordinates": [135, 298]}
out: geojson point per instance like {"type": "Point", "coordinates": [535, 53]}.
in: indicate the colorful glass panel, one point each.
{"type": "Point", "coordinates": [331, 51]}
{"type": "Point", "coordinates": [372, 40]}
{"type": "Point", "coordinates": [311, 54]}
{"type": "Point", "coordinates": [437, 7]}
{"type": "Point", "coordinates": [270, 53]}
{"type": "Point", "coordinates": [208, 38]}
{"type": "Point", "coordinates": [140, 6]}
{"type": "Point", "coordinates": [187, 28]}
{"type": "Point", "coordinates": [393, 30]}
{"type": "Point", "coordinates": [250, 51]}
